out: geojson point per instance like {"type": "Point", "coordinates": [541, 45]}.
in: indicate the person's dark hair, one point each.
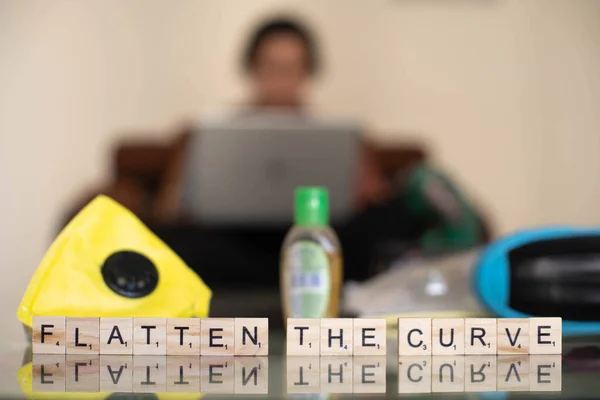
{"type": "Point", "coordinates": [281, 26]}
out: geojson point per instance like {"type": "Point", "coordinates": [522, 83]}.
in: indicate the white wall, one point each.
{"type": "Point", "coordinates": [506, 92]}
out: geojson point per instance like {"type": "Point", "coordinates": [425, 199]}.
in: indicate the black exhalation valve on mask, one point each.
{"type": "Point", "coordinates": [546, 272]}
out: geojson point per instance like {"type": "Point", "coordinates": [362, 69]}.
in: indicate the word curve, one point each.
{"type": "Point", "coordinates": [479, 336]}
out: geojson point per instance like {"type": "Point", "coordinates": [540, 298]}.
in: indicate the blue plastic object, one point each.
{"type": "Point", "coordinates": [492, 281]}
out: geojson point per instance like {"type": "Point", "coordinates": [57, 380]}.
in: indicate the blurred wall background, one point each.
{"type": "Point", "coordinates": [505, 92]}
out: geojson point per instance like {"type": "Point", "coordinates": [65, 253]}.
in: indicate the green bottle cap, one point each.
{"type": "Point", "coordinates": [312, 206]}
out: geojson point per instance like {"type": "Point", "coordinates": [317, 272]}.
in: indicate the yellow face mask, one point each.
{"type": "Point", "coordinates": [106, 263]}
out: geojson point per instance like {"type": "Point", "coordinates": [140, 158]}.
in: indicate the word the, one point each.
{"type": "Point", "coordinates": [336, 337]}
{"type": "Point", "coordinates": [151, 336]}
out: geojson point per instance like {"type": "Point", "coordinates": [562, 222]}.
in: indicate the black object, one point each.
{"type": "Point", "coordinates": [557, 277]}
{"type": "Point", "coordinates": [130, 274]}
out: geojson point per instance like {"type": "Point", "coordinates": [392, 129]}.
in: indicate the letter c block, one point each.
{"type": "Point", "coordinates": [414, 336]}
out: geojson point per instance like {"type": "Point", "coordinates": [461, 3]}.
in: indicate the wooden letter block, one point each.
{"type": "Point", "coordinates": [303, 336]}
{"type": "Point", "coordinates": [183, 374]}
{"type": "Point", "coordinates": [48, 373]}
{"type": "Point", "coordinates": [116, 335]}
{"type": "Point", "coordinates": [336, 337]}
{"type": "Point", "coordinates": [448, 336]}
{"type": "Point", "coordinates": [83, 373]}
{"type": "Point", "coordinates": [414, 336]}
{"type": "Point", "coordinates": [369, 374]}
{"type": "Point", "coordinates": [369, 337]}
{"type": "Point", "coordinates": [251, 336]}
{"type": "Point", "coordinates": [183, 336]}
{"type": "Point", "coordinates": [480, 373]}
{"type": "Point", "coordinates": [303, 374]}
{"type": "Point", "coordinates": [83, 335]}
{"type": "Point", "coordinates": [48, 335]}
{"type": "Point", "coordinates": [545, 373]}
{"type": "Point", "coordinates": [217, 375]}
{"type": "Point", "coordinates": [447, 374]}
{"type": "Point", "coordinates": [116, 374]}
{"type": "Point", "coordinates": [251, 375]}
{"type": "Point", "coordinates": [480, 336]}
{"type": "Point", "coordinates": [217, 337]}
{"type": "Point", "coordinates": [150, 336]}
{"type": "Point", "coordinates": [149, 373]}
{"type": "Point", "coordinates": [513, 373]}
{"type": "Point", "coordinates": [513, 336]}
{"type": "Point", "coordinates": [545, 336]}
{"type": "Point", "coordinates": [414, 374]}
{"type": "Point", "coordinates": [336, 374]}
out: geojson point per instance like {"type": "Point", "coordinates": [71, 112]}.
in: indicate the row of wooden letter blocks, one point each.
{"type": "Point", "coordinates": [325, 336]}
{"type": "Point", "coordinates": [151, 336]}
{"type": "Point", "coordinates": [425, 336]}
{"type": "Point", "coordinates": [305, 374]}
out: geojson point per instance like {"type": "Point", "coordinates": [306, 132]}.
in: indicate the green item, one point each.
{"type": "Point", "coordinates": [312, 206]}
{"type": "Point", "coordinates": [434, 198]}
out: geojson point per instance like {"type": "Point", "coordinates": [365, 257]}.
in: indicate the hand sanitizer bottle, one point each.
{"type": "Point", "coordinates": [311, 259]}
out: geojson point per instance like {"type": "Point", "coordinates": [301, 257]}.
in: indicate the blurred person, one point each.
{"type": "Point", "coordinates": [280, 59]}
{"type": "Point", "coordinates": [422, 209]}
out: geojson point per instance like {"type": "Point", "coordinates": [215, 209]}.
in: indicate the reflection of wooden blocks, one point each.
{"type": "Point", "coordinates": [217, 375]}
{"type": "Point", "coordinates": [48, 373]}
{"type": "Point", "coordinates": [447, 336]}
{"type": "Point", "coordinates": [414, 374]}
{"type": "Point", "coordinates": [83, 373]}
{"type": "Point", "coordinates": [545, 373]}
{"type": "Point", "coordinates": [183, 374]}
{"type": "Point", "coordinates": [149, 374]}
{"type": "Point", "coordinates": [513, 373]}
{"type": "Point", "coordinates": [545, 335]}
{"type": "Point", "coordinates": [513, 336]}
{"type": "Point", "coordinates": [447, 374]}
{"type": "Point", "coordinates": [369, 337]}
{"type": "Point", "coordinates": [480, 336]}
{"type": "Point", "coordinates": [116, 335]}
{"type": "Point", "coordinates": [217, 337]}
{"type": "Point", "coordinates": [48, 335]}
{"type": "Point", "coordinates": [251, 336]}
{"type": "Point", "coordinates": [251, 375]}
{"type": "Point", "coordinates": [369, 374]}
{"type": "Point", "coordinates": [303, 374]}
{"type": "Point", "coordinates": [480, 373]}
{"type": "Point", "coordinates": [150, 336]}
{"type": "Point", "coordinates": [336, 374]}
{"type": "Point", "coordinates": [83, 335]}
{"type": "Point", "coordinates": [116, 374]}
{"type": "Point", "coordinates": [336, 337]}
{"type": "Point", "coordinates": [183, 336]}
{"type": "Point", "coordinates": [303, 336]}
{"type": "Point", "coordinates": [414, 336]}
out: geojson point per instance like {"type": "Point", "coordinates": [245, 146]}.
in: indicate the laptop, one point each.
{"type": "Point", "coordinates": [244, 170]}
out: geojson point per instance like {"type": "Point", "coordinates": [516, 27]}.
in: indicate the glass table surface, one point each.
{"type": "Point", "coordinates": [574, 374]}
